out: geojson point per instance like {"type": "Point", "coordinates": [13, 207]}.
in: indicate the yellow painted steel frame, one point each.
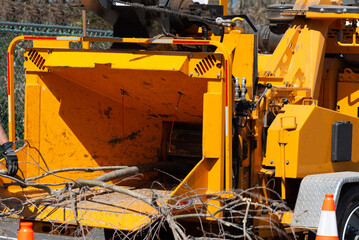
{"type": "Point", "coordinates": [298, 57]}
{"type": "Point", "coordinates": [298, 131]}
{"type": "Point", "coordinates": [226, 102]}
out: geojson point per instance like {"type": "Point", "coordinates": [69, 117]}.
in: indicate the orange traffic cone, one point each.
{"type": "Point", "coordinates": [25, 232]}
{"type": "Point", "coordinates": [327, 228]}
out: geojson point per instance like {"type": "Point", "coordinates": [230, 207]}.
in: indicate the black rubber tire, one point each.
{"type": "Point", "coordinates": [348, 201]}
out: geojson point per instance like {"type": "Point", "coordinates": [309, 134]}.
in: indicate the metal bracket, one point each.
{"type": "Point", "coordinates": [333, 9]}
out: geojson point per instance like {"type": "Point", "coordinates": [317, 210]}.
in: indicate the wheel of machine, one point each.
{"type": "Point", "coordinates": [348, 215]}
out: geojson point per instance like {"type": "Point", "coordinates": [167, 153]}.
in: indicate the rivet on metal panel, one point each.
{"type": "Point", "coordinates": [287, 162]}
{"type": "Point", "coordinates": [271, 161]}
{"type": "Point", "coordinates": [191, 74]}
{"type": "Point", "coordinates": [218, 75]}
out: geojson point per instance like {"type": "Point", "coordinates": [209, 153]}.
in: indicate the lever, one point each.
{"type": "Point", "coordinates": [269, 86]}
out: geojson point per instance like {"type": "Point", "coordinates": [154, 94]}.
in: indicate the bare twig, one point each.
{"type": "Point", "coordinates": [142, 168]}
{"type": "Point", "coordinates": [96, 183]}
{"type": "Point", "coordinates": [83, 169]}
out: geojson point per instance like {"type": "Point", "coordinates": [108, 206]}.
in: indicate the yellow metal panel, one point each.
{"type": "Point", "coordinates": [89, 59]}
{"type": "Point", "coordinates": [313, 132]}
{"type": "Point", "coordinates": [215, 175]}
{"type": "Point", "coordinates": [195, 182]}
{"type": "Point", "coordinates": [299, 56]}
{"type": "Point", "coordinates": [215, 86]}
{"type": "Point", "coordinates": [202, 65]}
{"type": "Point", "coordinates": [212, 125]}
{"type": "Point", "coordinates": [51, 44]}
{"type": "Point", "coordinates": [348, 98]}
{"type": "Point", "coordinates": [32, 119]}
{"type": "Point", "coordinates": [231, 40]}
{"type": "Point", "coordinates": [263, 61]}
{"type": "Point", "coordinates": [244, 60]}
{"type": "Point", "coordinates": [129, 216]}
{"type": "Point", "coordinates": [207, 177]}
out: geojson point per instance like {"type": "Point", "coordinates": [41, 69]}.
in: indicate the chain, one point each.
{"type": "Point", "coordinates": [167, 11]}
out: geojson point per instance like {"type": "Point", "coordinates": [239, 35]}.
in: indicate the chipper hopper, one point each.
{"type": "Point", "coordinates": [151, 122]}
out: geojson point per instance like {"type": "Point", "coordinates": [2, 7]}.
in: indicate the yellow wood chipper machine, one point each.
{"type": "Point", "coordinates": [211, 124]}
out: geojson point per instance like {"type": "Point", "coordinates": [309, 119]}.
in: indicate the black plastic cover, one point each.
{"type": "Point", "coordinates": [342, 134]}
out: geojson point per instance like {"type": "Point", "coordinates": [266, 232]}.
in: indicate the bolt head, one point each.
{"type": "Point", "coordinates": [271, 161]}
{"type": "Point", "coordinates": [287, 162]}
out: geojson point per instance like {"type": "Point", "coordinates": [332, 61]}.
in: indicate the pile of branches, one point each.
{"type": "Point", "coordinates": [233, 217]}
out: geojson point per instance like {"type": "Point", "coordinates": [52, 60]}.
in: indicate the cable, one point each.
{"type": "Point", "coordinates": [173, 121]}
{"type": "Point", "coordinates": [42, 158]}
{"type": "Point", "coordinates": [123, 119]}
{"type": "Point", "coordinates": [166, 11]}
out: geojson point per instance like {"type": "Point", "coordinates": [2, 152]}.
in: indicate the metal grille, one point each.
{"type": "Point", "coordinates": [10, 30]}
